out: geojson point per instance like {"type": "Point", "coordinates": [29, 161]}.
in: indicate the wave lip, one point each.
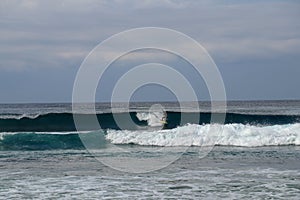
{"type": "Point", "coordinates": [19, 116]}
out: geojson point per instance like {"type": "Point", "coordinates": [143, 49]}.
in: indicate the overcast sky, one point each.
{"type": "Point", "coordinates": [255, 44]}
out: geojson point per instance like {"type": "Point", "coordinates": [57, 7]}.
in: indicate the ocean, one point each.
{"type": "Point", "coordinates": [254, 154]}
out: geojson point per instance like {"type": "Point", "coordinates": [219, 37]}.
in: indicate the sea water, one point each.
{"type": "Point", "coordinates": [256, 156]}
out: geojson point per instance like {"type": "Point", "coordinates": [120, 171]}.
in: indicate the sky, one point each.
{"type": "Point", "coordinates": [255, 44]}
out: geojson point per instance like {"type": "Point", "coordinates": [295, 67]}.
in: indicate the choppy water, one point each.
{"type": "Point", "coordinates": [227, 172]}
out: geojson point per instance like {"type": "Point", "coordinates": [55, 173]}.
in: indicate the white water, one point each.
{"type": "Point", "coordinates": [16, 116]}
{"type": "Point", "coordinates": [153, 118]}
{"type": "Point", "coordinates": [199, 135]}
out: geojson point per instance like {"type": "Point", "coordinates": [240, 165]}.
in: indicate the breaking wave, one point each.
{"type": "Point", "coordinates": [200, 135]}
{"type": "Point", "coordinates": [188, 135]}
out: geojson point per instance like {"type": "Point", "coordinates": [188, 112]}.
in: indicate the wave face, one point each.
{"type": "Point", "coordinates": [64, 121]}
{"type": "Point", "coordinates": [197, 135]}
{"type": "Point", "coordinates": [39, 141]}
{"type": "Point", "coordinates": [188, 135]}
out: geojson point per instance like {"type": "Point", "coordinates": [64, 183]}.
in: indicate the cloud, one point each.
{"type": "Point", "coordinates": [231, 51]}
{"type": "Point", "coordinates": [35, 32]}
{"type": "Point", "coordinates": [50, 38]}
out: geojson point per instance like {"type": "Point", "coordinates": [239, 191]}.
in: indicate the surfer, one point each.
{"type": "Point", "coordinates": [164, 118]}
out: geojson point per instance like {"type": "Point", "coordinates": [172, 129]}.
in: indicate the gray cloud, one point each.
{"type": "Point", "coordinates": [37, 35]}
{"type": "Point", "coordinates": [69, 29]}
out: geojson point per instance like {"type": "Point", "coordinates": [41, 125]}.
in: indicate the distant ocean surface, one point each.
{"type": "Point", "coordinates": [256, 156]}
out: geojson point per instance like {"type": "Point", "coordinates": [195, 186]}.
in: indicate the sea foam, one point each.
{"type": "Point", "coordinates": [153, 118]}
{"type": "Point", "coordinates": [201, 135]}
